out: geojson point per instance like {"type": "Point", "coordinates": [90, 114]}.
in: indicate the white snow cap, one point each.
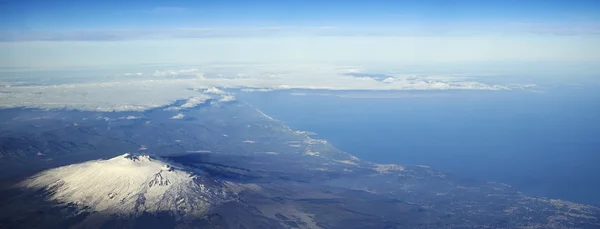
{"type": "Point", "coordinates": [128, 184]}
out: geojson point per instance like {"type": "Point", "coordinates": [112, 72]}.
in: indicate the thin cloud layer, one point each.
{"type": "Point", "coordinates": [160, 88]}
{"type": "Point", "coordinates": [506, 28]}
{"type": "Point", "coordinates": [110, 96]}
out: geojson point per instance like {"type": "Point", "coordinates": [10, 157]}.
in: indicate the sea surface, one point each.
{"type": "Point", "coordinates": [544, 143]}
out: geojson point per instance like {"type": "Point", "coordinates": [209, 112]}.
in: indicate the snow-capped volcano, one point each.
{"type": "Point", "coordinates": [130, 185]}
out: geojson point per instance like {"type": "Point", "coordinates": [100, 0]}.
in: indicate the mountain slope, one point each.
{"type": "Point", "coordinates": [128, 184]}
{"type": "Point", "coordinates": [231, 166]}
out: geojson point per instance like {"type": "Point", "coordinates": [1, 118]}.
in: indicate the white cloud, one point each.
{"type": "Point", "coordinates": [389, 80]}
{"type": "Point", "coordinates": [132, 95]}
{"type": "Point", "coordinates": [131, 117]}
{"type": "Point", "coordinates": [257, 90]}
{"type": "Point", "coordinates": [191, 70]}
{"type": "Point", "coordinates": [190, 103]}
{"type": "Point", "coordinates": [178, 116]}
{"type": "Point", "coordinates": [195, 101]}
{"type": "Point", "coordinates": [416, 82]}
{"type": "Point", "coordinates": [227, 98]}
{"type": "Point", "coordinates": [214, 90]}
{"type": "Point", "coordinates": [182, 72]}
{"type": "Point", "coordinates": [309, 94]}
{"type": "Point", "coordinates": [148, 92]}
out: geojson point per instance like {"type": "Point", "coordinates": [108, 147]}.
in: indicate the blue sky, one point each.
{"type": "Point", "coordinates": [85, 14]}
{"type": "Point", "coordinates": [132, 32]}
{"type": "Point", "coordinates": [134, 45]}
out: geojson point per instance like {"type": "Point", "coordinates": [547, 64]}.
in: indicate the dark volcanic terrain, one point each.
{"type": "Point", "coordinates": [247, 171]}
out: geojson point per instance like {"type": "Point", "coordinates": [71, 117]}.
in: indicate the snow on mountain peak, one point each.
{"type": "Point", "coordinates": [129, 185]}
{"type": "Point", "coordinates": [132, 157]}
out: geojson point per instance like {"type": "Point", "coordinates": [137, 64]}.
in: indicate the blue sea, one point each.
{"type": "Point", "coordinates": [544, 143]}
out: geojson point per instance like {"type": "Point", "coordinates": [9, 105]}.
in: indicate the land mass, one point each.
{"type": "Point", "coordinates": [229, 165]}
